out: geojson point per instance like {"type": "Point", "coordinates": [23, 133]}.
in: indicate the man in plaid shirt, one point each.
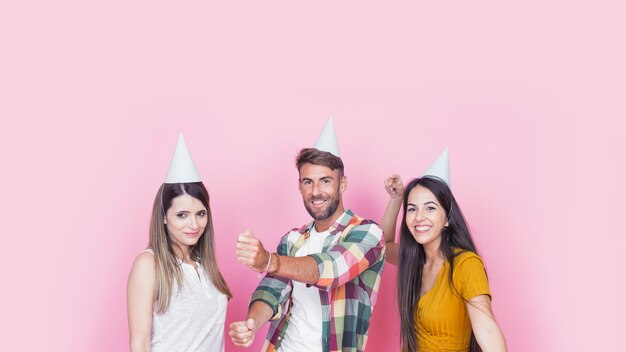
{"type": "Point", "coordinates": [322, 283]}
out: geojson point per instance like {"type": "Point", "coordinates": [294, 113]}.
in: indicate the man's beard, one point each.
{"type": "Point", "coordinates": [333, 204]}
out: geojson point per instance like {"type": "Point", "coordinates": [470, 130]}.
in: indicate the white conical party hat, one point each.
{"type": "Point", "coordinates": [182, 169]}
{"type": "Point", "coordinates": [440, 168]}
{"type": "Point", "coordinates": [327, 141]}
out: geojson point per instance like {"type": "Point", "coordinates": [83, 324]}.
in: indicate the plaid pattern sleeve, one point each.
{"type": "Point", "coordinates": [274, 290]}
{"type": "Point", "coordinates": [362, 246]}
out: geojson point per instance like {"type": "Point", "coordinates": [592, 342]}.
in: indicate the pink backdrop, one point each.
{"type": "Point", "coordinates": [528, 97]}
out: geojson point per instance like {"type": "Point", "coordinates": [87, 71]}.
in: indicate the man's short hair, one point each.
{"type": "Point", "coordinates": [318, 157]}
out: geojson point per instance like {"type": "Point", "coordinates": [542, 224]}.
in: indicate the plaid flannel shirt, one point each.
{"type": "Point", "coordinates": [350, 267]}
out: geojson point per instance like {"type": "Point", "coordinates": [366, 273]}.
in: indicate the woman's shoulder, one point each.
{"type": "Point", "coordinates": [142, 272]}
{"type": "Point", "coordinates": [144, 261]}
{"type": "Point", "coordinates": [470, 277]}
{"type": "Point", "coordinates": [464, 257]}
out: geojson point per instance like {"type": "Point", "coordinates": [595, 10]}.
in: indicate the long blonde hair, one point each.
{"type": "Point", "coordinates": [167, 264]}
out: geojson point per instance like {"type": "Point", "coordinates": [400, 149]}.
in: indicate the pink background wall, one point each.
{"type": "Point", "coordinates": [529, 97]}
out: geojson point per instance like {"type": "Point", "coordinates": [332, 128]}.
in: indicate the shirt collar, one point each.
{"type": "Point", "coordinates": [342, 221]}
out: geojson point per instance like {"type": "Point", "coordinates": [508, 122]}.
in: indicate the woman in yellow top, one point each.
{"type": "Point", "coordinates": [443, 293]}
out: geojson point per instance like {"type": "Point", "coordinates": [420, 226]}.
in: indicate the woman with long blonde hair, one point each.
{"type": "Point", "coordinates": [177, 296]}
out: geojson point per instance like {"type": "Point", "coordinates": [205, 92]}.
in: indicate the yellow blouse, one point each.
{"type": "Point", "coordinates": [441, 319]}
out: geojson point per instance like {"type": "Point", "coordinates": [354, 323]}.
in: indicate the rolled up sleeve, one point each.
{"type": "Point", "coordinates": [351, 256]}
{"type": "Point", "coordinates": [273, 290]}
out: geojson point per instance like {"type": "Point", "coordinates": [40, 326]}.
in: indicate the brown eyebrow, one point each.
{"type": "Point", "coordinates": [323, 178]}
{"type": "Point", "coordinates": [188, 212]}
{"type": "Point", "coordinates": [429, 202]}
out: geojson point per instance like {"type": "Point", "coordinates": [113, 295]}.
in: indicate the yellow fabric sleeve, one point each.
{"type": "Point", "coordinates": [470, 277]}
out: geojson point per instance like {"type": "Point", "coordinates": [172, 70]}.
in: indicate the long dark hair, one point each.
{"type": "Point", "coordinates": [412, 256]}
{"type": "Point", "coordinates": [167, 267]}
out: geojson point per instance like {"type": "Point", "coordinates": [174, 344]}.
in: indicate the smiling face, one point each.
{"type": "Point", "coordinates": [186, 221]}
{"type": "Point", "coordinates": [425, 217]}
{"type": "Point", "coordinates": [321, 190]}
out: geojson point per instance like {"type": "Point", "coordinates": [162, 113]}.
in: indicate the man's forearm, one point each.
{"type": "Point", "coordinates": [301, 269]}
{"type": "Point", "coordinates": [261, 313]}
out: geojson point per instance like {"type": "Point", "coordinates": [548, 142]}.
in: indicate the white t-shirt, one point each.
{"type": "Point", "coordinates": [304, 333]}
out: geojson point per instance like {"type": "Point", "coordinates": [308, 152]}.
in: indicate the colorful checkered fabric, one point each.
{"type": "Point", "coordinates": [350, 266]}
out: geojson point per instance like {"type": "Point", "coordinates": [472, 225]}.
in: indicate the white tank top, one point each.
{"type": "Point", "coordinates": [194, 320]}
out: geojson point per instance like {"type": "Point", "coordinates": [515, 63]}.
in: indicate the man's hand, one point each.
{"type": "Point", "coordinates": [242, 332]}
{"type": "Point", "coordinates": [250, 251]}
{"type": "Point", "coordinates": [394, 186]}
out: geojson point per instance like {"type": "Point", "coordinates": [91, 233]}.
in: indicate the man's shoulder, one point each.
{"type": "Point", "coordinates": [358, 221]}
{"type": "Point", "coordinates": [367, 222]}
{"type": "Point", "coordinates": [364, 226]}
{"type": "Point", "coordinates": [297, 231]}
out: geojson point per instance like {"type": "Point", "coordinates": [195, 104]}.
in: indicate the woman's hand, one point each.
{"type": "Point", "coordinates": [394, 186]}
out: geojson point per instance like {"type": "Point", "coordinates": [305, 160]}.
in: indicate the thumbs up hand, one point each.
{"type": "Point", "coordinates": [250, 252]}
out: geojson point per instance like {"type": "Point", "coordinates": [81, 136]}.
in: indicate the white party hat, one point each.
{"type": "Point", "coordinates": [327, 141]}
{"type": "Point", "coordinates": [440, 168]}
{"type": "Point", "coordinates": [182, 169]}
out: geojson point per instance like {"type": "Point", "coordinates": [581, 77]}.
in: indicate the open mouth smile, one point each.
{"type": "Point", "coordinates": [318, 202]}
{"type": "Point", "coordinates": [422, 228]}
